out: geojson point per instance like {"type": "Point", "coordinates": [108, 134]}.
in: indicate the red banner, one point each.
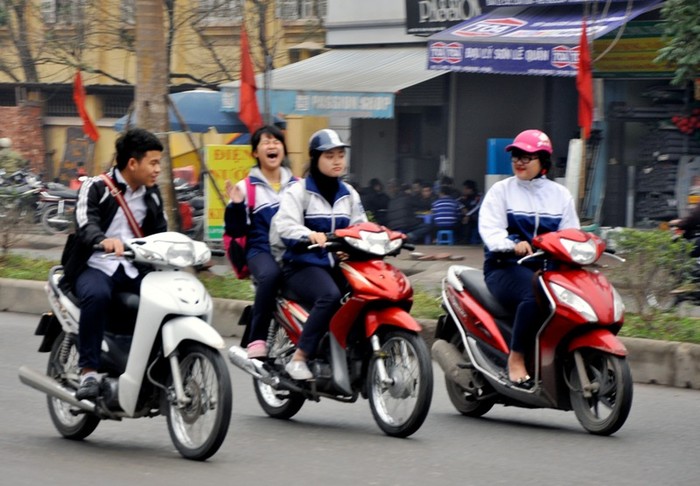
{"type": "Point", "coordinates": [89, 127]}
{"type": "Point", "coordinates": [249, 113]}
{"type": "Point", "coordinates": [584, 85]}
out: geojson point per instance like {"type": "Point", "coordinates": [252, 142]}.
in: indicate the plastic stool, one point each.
{"type": "Point", "coordinates": [445, 237]}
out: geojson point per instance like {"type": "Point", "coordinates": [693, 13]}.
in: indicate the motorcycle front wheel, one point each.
{"type": "Point", "coordinates": [400, 405]}
{"type": "Point", "coordinates": [54, 222]}
{"type": "Point", "coordinates": [277, 403]}
{"type": "Point", "coordinates": [607, 409]}
{"type": "Point", "coordinates": [198, 428]}
{"type": "Point", "coordinates": [63, 367]}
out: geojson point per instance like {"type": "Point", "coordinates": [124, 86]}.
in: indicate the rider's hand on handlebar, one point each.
{"type": "Point", "coordinates": [523, 248]}
{"type": "Point", "coordinates": [317, 238]}
{"type": "Point", "coordinates": [113, 245]}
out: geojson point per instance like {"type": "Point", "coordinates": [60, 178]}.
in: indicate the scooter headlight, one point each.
{"type": "Point", "coordinates": [579, 304]}
{"type": "Point", "coordinates": [180, 254]}
{"type": "Point", "coordinates": [583, 253]}
{"type": "Point", "coordinates": [374, 243]}
{"type": "Point", "coordinates": [618, 306]}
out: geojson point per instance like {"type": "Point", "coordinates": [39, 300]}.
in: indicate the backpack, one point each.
{"type": "Point", "coordinates": [236, 247]}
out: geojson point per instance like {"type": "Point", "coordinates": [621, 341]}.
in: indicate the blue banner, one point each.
{"type": "Point", "coordinates": [524, 40]}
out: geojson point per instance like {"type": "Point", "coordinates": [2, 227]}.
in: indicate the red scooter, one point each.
{"type": "Point", "coordinates": [372, 348]}
{"type": "Point", "coordinates": [577, 361]}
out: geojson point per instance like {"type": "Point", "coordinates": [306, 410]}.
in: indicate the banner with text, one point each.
{"type": "Point", "coordinates": [225, 162]}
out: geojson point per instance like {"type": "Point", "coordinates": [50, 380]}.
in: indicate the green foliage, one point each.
{"type": "Point", "coordinates": [227, 286]}
{"type": "Point", "coordinates": [664, 327]}
{"type": "Point", "coordinates": [20, 267]}
{"type": "Point", "coordinates": [682, 35]}
{"type": "Point", "coordinates": [11, 161]}
{"type": "Point", "coordinates": [656, 263]}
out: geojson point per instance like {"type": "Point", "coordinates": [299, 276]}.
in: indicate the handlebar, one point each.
{"type": "Point", "coordinates": [538, 253]}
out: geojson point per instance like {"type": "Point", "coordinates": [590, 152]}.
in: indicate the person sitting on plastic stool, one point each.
{"type": "Point", "coordinates": [447, 212]}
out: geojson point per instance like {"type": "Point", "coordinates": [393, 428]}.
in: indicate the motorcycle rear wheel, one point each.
{"type": "Point", "coordinates": [607, 410]}
{"type": "Point", "coordinates": [400, 408]}
{"type": "Point", "coordinates": [53, 222]}
{"type": "Point", "coordinates": [198, 429]}
{"type": "Point", "coordinates": [63, 367]}
{"type": "Point", "coordinates": [279, 404]}
{"type": "Point", "coordinates": [464, 401]}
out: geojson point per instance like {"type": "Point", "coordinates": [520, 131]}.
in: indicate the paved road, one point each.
{"type": "Point", "coordinates": [333, 443]}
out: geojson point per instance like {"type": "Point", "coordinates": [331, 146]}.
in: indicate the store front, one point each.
{"type": "Point", "coordinates": [638, 162]}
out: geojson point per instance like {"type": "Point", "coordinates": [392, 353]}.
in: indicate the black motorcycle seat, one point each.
{"type": "Point", "coordinates": [64, 194]}
{"type": "Point", "coordinates": [473, 281]}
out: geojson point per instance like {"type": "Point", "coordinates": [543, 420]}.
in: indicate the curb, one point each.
{"type": "Point", "coordinates": [666, 363]}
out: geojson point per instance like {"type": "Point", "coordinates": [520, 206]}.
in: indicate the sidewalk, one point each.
{"type": "Point", "coordinates": [658, 362]}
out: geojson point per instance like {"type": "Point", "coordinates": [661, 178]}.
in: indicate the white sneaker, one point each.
{"type": "Point", "coordinates": [298, 370]}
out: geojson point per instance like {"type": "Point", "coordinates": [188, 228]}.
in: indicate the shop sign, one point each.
{"type": "Point", "coordinates": [425, 17]}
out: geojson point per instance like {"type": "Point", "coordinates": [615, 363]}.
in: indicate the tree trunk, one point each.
{"type": "Point", "coordinates": [151, 89]}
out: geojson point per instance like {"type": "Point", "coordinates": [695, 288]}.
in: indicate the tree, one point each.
{"type": "Point", "coordinates": [152, 89]}
{"type": "Point", "coordinates": [682, 31]}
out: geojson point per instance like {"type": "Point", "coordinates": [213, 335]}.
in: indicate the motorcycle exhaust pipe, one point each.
{"type": "Point", "coordinates": [48, 385]}
{"type": "Point", "coordinates": [453, 364]}
{"type": "Point", "coordinates": [239, 357]}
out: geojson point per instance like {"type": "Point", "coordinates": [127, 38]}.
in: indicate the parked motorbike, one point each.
{"type": "Point", "coordinates": [56, 207]}
{"type": "Point", "coordinates": [372, 348]}
{"type": "Point", "coordinates": [577, 361]}
{"type": "Point", "coordinates": [160, 354]}
{"type": "Point", "coordinates": [191, 207]}
{"type": "Point", "coordinates": [19, 193]}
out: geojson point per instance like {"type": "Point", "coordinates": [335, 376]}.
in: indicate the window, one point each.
{"type": "Point", "coordinates": [60, 104]}
{"type": "Point", "coordinates": [221, 10]}
{"type": "Point", "coordinates": [66, 12]}
{"type": "Point", "coordinates": [301, 9]}
{"type": "Point", "coordinates": [115, 105]}
{"type": "Point", "coordinates": [127, 12]}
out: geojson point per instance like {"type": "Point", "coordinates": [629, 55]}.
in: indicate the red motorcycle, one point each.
{"type": "Point", "coordinates": [372, 348]}
{"type": "Point", "coordinates": [577, 361]}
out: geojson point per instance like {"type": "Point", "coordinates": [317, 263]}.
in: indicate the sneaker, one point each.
{"type": "Point", "coordinates": [257, 349]}
{"type": "Point", "coordinates": [89, 389]}
{"type": "Point", "coordinates": [298, 370]}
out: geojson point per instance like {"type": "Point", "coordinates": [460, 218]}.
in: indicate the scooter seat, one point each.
{"type": "Point", "coordinates": [473, 281]}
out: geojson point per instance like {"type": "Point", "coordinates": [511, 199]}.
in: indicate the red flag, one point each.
{"type": "Point", "coordinates": [89, 127]}
{"type": "Point", "coordinates": [584, 85]}
{"type": "Point", "coordinates": [248, 110]}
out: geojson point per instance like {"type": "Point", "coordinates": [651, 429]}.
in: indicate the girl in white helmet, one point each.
{"type": "Point", "coordinates": [320, 204]}
{"type": "Point", "coordinates": [513, 212]}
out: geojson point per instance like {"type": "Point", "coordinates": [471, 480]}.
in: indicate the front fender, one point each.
{"type": "Point", "coordinates": [392, 316]}
{"type": "Point", "coordinates": [188, 327]}
{"type": "Point", "coordinates": [601, 339]}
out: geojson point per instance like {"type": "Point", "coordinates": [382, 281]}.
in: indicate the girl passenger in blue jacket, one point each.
{"type": "Point", "coordinates": [270, 180]}
{"type": "Point", "coordinates": [320, 204]}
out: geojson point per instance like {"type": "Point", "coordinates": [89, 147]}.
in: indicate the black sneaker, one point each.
{"type": "Point", "coordinates": [88, 389]}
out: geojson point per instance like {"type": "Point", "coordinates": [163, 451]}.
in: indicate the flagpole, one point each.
{"type": "Point", "coordinates": [582, 172]}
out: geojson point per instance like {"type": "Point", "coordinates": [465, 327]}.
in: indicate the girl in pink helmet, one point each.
{"type": "Point", "coordinates": [513, 212]}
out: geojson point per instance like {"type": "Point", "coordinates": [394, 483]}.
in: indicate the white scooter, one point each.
{"type": "Point", "coordinates": [159, 354]}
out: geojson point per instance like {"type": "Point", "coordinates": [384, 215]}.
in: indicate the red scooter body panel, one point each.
{"type": "Point", "coordinates": [392, 316]}
{"type": "Point", "coordinates": [601, 339]}
{"type": "Point", "coordinates": [590, 285]}
{"type": "Point", "coordinates": [376, 278]}
{"type": "Point", "coordinates": [476, 320]}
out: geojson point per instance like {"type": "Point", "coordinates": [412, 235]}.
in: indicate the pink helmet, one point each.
{"type": "Point", "coordinates": [531, 141]}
